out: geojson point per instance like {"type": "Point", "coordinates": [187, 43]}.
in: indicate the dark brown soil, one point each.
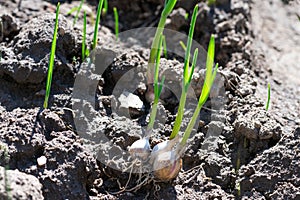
{"type": "Point", "coordinates": [238, 151]}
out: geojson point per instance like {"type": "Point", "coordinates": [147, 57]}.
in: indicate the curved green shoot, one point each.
{"type": "Point", "coordinates": [116, 22]}
{"type": "Point", "coordinates": [157, 88]}
{"type": "Point", "coordinates": [72, 10]}
{"type": "Point", "coordinates": [187, 75]}
{"type": "Point", "coordinates": [182, 45]}
{"type": "Point", "coordinates": [51, 62]}
{"type": "Point", "coordinates": [96, 30]}
{"type": "Point", "coordinates": [169, 6]}
{"type": "Point", "coordinates": [83, 47]}
{"type": "Point", "coordinates": [269, 97]}
{"type": "Point", "coordinates": [186, 16]}
{"type": "Point", "coordinates": [105, 9]}
{"type": "Point", "coordinates": [211, 2]}
{"type": "Point", "coordinates": [208, 82]}
{"type": "Point", "coordinates": [77, 13]}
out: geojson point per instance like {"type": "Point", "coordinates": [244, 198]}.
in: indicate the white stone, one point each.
{"type": "Point", "coordinates": [42, 161]}
{"type": "Point", "coordinates": [129, 100]}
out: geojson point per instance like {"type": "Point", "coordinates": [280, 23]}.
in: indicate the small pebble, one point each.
{"type": "Point", "coordinates": [41, 161]}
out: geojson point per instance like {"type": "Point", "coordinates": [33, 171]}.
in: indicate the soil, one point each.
{"type": "Point", "coordinates": [238, 151]}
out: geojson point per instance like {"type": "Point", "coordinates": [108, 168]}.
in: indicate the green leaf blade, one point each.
{"type": "Point", "coordinates": [51, 62]}
{"type": "Point", "coordinates": [116, 15]}
{"type": "Point", "coordinates": [96, 29]}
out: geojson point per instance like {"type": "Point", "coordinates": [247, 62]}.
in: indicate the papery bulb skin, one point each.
{"type": "Point", "coordinates": [140, 149]}
{"type": "Point", "coordinates": [166, 166]}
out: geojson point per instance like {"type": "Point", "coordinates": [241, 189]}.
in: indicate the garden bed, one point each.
{"type": "Point", "coordinates": [238, 150]}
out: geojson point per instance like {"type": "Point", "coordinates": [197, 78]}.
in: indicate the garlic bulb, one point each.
{"type": "Point", "coordinates": [166, 165]}
{"type": "Point", "coordinates": [140, 149]}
